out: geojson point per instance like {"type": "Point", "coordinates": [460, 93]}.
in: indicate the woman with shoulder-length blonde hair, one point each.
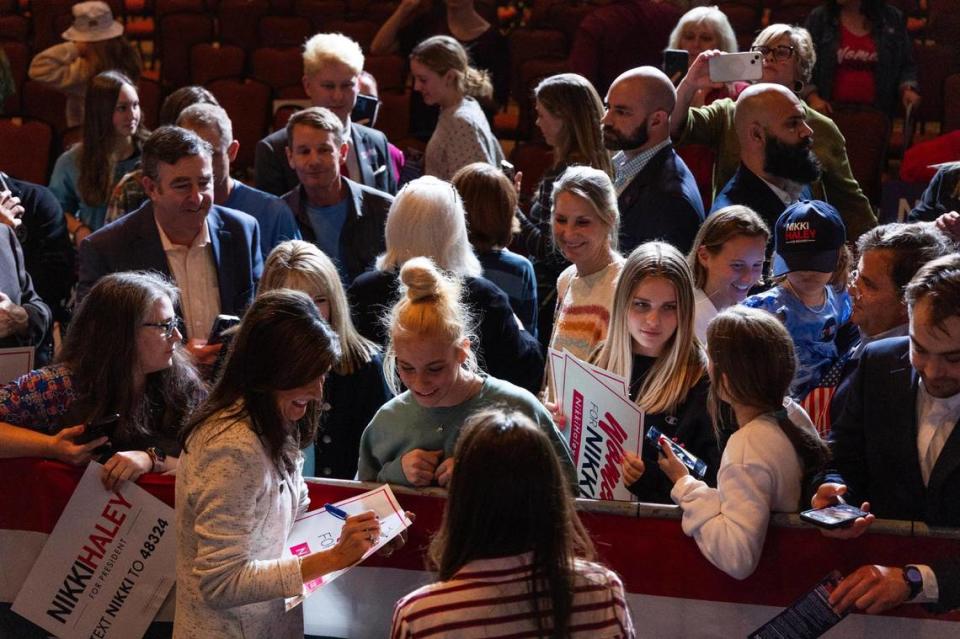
{"type": "Point", "coordinates": [585, 226]}
{"type": "Point", "coordinates": [301, 266]}
{"type": "Point", "coordinates": [442, 74]}
{"type": "Point", "coordinates": [427, 219]}
{"type": "Point", "coordinates": [651, 343]}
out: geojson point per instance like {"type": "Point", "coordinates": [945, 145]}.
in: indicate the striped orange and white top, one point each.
{"type": "Point", "coordinates": [492, 598]}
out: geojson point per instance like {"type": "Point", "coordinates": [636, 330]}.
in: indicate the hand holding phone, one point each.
{"type": "Point", "coordinates": [735, 67]}
{"type": "Point", "coordinates": [675, 63]}
{"type": "Point", "coordinates": [836, 516]}
{"type": "Point", "coordinates": [696, 466]}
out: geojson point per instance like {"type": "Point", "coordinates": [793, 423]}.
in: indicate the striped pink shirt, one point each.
{"type": "Point", "coordinates": [490, 598]}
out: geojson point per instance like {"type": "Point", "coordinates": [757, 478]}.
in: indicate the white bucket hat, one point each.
{"type": "Point", "coordinates": [92, 22]}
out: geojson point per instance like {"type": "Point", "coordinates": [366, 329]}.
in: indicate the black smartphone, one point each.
{"type": "Point", "coordinates": [365, 110]}
{"type": "Point", "coordinates": [696, 466]}
{"type": "Point", "coordinates": [102, 427]}
{"type": "Point", "coordinates": [508, 169]}
{"type": "Point", "coordinates": [675, 64]}
{"type": "Point", "coordinates": [221, 324]}
{"type": "Point", "coordinates": [836, 516]}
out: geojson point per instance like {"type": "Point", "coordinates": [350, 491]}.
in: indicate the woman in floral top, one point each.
{"type": "Point", "coordinates": [120, 357]}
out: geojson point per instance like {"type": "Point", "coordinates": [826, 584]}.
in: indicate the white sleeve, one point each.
{"type": "Point", "coordinates": [61, 67]}
{"type": "Point", "coordinates": [729, 523]}
{"type": "Point", "coordinates": [232, 480]}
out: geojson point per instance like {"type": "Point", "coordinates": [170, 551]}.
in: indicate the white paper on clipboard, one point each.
{"type": "Point", "coordinates": [319, 530]}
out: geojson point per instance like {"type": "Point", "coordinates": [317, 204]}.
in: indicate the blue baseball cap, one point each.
{"type": "Point", "coordinates": [808, 237]}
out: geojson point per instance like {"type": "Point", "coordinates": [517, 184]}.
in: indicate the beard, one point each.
{"type": "Point", "coordinates": [614, 141]}
{"type": "Point", "coordinates": [794, 162]}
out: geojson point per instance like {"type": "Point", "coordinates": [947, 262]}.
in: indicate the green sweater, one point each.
{"type": "Point", "coordinates": [402, 425]}
{"type": "Point", "coordinates": [712, 125]}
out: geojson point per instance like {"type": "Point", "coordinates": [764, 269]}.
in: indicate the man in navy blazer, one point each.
{"type": "Point", "coordinates": [657, 195]}
{"type": "Point", "coordinates": [196, 234]}
{"type": "Point", "coordinates": [897, 445]}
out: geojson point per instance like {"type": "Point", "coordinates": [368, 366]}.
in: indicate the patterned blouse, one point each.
{"type": "Point", "coordinates": [39, 399]}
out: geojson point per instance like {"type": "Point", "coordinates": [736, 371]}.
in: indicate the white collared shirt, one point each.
{"type": "Point", "coordinates": [195, 272]}
{"type": "Point", "coordinates": [936, 418]}
{"type": "Point", "coordinates": [786, 197]}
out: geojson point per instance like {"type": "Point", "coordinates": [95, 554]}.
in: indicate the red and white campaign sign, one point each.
{"type": "Point", "coordinates": [106, 567]}
{"type": "Point", "coordinates": [602, 422]}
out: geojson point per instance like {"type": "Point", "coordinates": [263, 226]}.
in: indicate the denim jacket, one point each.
{"type": "Point", "coordinates": [895, 64]}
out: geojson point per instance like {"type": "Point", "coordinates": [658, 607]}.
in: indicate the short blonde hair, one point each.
{"type": "Point", "coordinates": [331, 47]}
{"type": "Point", "coordinates": [301, 266]}
{"type": "Point", "coordinates": [712, 17]}
{"type": "Point", "coordinates": [430, 306]}
{"type": "Point", "coordinates": [800, 39]}
{"type": "Point", "coordinates": [427, 220]}
{"type": "Point", "coordinates": [594, 186]}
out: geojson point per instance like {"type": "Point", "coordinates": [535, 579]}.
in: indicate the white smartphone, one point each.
{"type": "Point", "coordinates": [735, 67]}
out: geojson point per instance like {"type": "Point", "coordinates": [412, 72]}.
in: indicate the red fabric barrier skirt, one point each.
{"type": "Point", "coordinates": [673, 590]}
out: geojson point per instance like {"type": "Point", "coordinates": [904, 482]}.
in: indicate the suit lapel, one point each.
{"type": "Point", "coordinates": [219, 243]}
{"type": "Point", "coordinates": [642, 179]}
{"type": "Point", "coordinates": [362, 152]}
{"type": "Point", "coordinates": [146, 247]}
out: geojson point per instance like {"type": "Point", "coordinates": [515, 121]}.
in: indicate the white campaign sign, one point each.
{"type": "Point", "coordinates": [601, 423]}
{"type": "Point", "coordinates": [106, 567]}
{"type": "Point", "coordinates": [319, 530]}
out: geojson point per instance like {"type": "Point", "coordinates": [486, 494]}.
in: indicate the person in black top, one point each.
{"type": "Point", "coordinates": [652, 343]}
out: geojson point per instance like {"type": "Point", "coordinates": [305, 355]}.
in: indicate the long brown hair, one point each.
{"type": "Point", "coordinates": [753, 362]}
{"type": "Point", "coordinates": [116, 54]}
{"type": "Point", "coordinates": [98, 159]}
{"type": "Point", "coordinates": [100, 349]}
{"type": "Point", "coordinates": [282, 343]}
{"type": "Point", "coordinates": [509, 495]}
{"type": "Point", "coordinates": [572, 99]}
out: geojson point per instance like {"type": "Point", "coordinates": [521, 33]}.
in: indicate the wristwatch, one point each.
{"type": "Point", "coordinates": [914, 579]}
{"type": "Point", "coordinates": [157, 456]}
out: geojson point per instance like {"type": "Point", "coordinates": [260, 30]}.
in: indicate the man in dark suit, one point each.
{"type": "Point", "coordinates": [776, 160]}
{"type": "Point", "coordinates": [896, 447]}
{"type": "Point", "coordinates": [656, 193]}
{"type": "Point", "coordinates": [212, 252]}
{"type": "Point", "coordinates": [343, 218]}
{"type": "Point", "coordinates": [332, 65]}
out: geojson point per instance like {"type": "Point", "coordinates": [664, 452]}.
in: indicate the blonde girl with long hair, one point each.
{"type": "Point", "coordinates": [651, 343]}
{"type": "Point", "coordinates": [301, 266]}
{"type": "Point", "coordinates": [411, 439]}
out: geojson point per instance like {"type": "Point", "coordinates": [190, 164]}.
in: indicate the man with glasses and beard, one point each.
{"type": "Point", "coordinates": [776, 161]}
{"type": "Point", "coordinates": [656, 193]}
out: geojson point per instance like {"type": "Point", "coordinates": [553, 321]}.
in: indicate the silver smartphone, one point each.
{"type": "Point", "coordinates": [736, 67]}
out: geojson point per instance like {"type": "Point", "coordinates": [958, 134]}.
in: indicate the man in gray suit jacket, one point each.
{"type": "Point", "coordinates": [332, 65]}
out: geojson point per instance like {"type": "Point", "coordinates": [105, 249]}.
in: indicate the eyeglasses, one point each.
{"type": "Point", "coordinates": [167, 328]}
{"type": "Point", "coordinates": [780, 52]}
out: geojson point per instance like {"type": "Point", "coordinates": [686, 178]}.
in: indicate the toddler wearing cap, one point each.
{"type": "Point", "coordinates": [808, 242]}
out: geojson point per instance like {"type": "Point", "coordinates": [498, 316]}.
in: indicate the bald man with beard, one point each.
{"type": "Point", "coordinates": [777, 163]}
{"type": "Point", "coordinates": [656, 193]}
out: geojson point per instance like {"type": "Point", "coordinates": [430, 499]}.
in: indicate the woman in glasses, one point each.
{"type": "Point", "coordinates": [120, 357]}
{"type": "Point", "coordinates": [788, 60]}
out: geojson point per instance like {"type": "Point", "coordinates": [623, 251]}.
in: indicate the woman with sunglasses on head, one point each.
{"type": "Point", "coordinates": [121, 356]}
{"type": "Point", "coordinates": [788, 60]}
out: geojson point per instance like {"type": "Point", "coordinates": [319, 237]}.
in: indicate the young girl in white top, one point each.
{"type": "Point", "coordinates": [585, 226]}
{"type": "Point", "coordinates": [769, 458]}
{"type": "Point", "coordinates": [726, 261]}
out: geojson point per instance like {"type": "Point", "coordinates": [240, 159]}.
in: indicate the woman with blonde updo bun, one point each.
{"type": "Point", "coordinates": [410, 440]}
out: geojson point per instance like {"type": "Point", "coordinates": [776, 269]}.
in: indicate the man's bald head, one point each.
{"type": "Point", "coordinates": [639, 104]}
{"type": "Point", "coordinates": [648, 87]}
{"type": "Point", "coordinates": [761, 103]}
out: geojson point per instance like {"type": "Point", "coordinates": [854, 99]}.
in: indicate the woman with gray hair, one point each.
{"type": "Point", "coordinates": [427, 219]}
{"type": "Point", "coordinates": [788, 60]}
